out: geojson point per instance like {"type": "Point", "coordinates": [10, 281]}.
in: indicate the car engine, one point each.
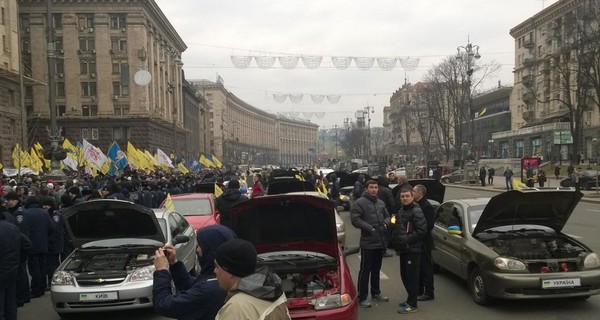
{"type": "Point", "coordinates": [93, 268]}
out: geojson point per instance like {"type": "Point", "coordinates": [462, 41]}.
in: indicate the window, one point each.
{"type": "Point", "coordinates": [519, 148]}
{"type": "Point", "coordinates": [58, 44]}
{"type": "Point", "coordinates": [121, 109]}
{"type": "Point", "coordinates": [26, 45]}
{"type": "Point", "coordinates": [536, 146]}
{"type": "Point", "coordinates": [4, 43]}
{"type": "Point", "coordinates": [88, 89]}
{"type": "Point", "coordinates": [57, 20]}
{"type": "Point", "coordinates": [118, 21]}
{"type": "Point", "coordinates": [85, 21]}
{"type": "Point", "coordinates": [85, 133]}
{"type": "Point", "coordinates": [95, 134]}
{"type": "Point", "coordinates": [11, 99]}
{"type": "Point", "coordinates": [120, 89]}
{"type": "Point", "coordinates": [2, 21]}
{"type": "Point", "coordinates": [25, 21]}
{"type": "Point", "coordinates": [119, 66]}
{"type": "Point", "coordinates": [60, 89]}
{"type": "Point", "coordinates": [60, 110]}
{"type": "Point", "coordinates": [121, 133]}
{"type": "Point", "coordinates": [59, 67]}
{"type": "Point", "coordinates": [87, 43]}
{"type": "Point", "coordinates": [118, 43]}
{"type": "Point", "coordinates": [89, 111]}
{"type": "Point", "coordinates": [13, 126]}
{"type": "Point", "coordinates": [88, 66]}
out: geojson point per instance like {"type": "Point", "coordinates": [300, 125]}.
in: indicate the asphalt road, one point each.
{"type": "Point", "coordinates": [452, 297]}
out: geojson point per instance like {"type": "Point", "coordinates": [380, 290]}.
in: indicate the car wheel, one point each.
{"type": "Point", "coordinates": [478, 287]}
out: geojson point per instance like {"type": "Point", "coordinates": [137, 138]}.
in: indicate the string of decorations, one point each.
{"type": "Point", "coordinates": [296, 114]}
{"type": "Point", "coordinates": [297, 97]}
{"type": "Point", "coordinates": [290, 62]}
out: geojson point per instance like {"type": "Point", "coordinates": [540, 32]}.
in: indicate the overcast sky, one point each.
{"type": "Point", "coordinates": [426, 29]}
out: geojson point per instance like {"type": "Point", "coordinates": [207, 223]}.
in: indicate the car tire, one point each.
{"type": "Point", "coordinates": [478, 288]}
{"type": "Point", "coordinates": [446, 180]}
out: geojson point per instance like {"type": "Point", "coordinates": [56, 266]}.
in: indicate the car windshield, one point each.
{"type": "Point", "coordinates": [474, 215]}
{"type": "Point", "coordinates": [193, 207]}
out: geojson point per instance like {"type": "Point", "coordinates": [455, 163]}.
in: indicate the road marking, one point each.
{"type": "Point", "coordinates": [593, 210]}
{"type": "Point", "coordinates": [383, 276]}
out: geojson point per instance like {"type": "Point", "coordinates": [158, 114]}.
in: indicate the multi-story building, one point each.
{"type": "Point", "coordinates": [100, 48]}
{"type": "Point", "coordinates": [241, 133]}
{"type": "Point", "coordinates": [192, 122]}
{"type": "Point", "coordinates": [10, 110]}
{"type": "Point", "coordinates": [388, 140]}
{"type": "Point", "coordinates": [541, 118]}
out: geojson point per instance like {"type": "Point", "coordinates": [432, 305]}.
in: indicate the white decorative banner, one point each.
{"type": "Point", "coordinates": [341, 63]}
{"type": "Point", "coordinates": [241, 62]}
{"type": "Point", "coordinates": [289, 62]}
{"type": "Point", "coordinates": [317, 98]}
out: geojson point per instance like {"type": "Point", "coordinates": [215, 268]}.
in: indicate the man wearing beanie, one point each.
{"type": "Point", "coordinates": [230, 197]}
{"type": "Point", "coordinates": [199, 297]}
{"type": "Point", "coordinates": [250, 294]}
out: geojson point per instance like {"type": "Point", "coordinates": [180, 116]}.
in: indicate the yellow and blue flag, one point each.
{"type": "Point", "coordinates": [117, 156]}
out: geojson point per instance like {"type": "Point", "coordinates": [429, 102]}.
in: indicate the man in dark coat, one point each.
{"type": "Point", "coordinates": [13, 248]}
{"type": "Point", "coordinates": [230, 197]}
{"type": "Point", "coordinates": [384, 193]}
{"type": "Point", "coordinates": [41, 230]}
{"type": "Point", "coordinates": [14, 207]}
{"type": "Point", "coordinates": [56, 242]}
{"type": "Point", "coordinates": [409, 228]}
{"type": "Point", "coordinates": [426, 269]}
{"type": "Point", "coordinates": [199, 297]}
{"type": "Point", "coordinates": [369, 214]}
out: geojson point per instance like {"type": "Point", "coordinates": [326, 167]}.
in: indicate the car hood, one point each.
{"type": "Point", "coordinates": [287, 222]}
{"type": "Point", "coordinates": [110, 219]}
{"type": "Point", "coordinates": [435, 189]}
{"type": "Point", "coordinates": [291, 185]}
{"type": "Point", "coordinates": [550, 208]}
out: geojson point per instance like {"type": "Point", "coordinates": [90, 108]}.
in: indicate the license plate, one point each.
{"type": "Point", "coordinates": [100, 296]}
{"type": "Point", "coordinates": [561, 283]}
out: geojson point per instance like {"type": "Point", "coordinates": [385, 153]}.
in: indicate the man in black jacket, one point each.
{"type": "Point", "coordinates": [369, 215]}
{"type": "Point", "coordinates": [384, 193]}
{"type": "Point", "coordinates": [409, 228]}
{"type": "Point", "coordinates": [13, 248]}
{"type": "Point", "coordinates": [230, 197]}
{"type": "Point", "coordinates": [426, 269]}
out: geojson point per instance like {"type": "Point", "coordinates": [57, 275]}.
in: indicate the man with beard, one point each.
{"type": "Point", "coordinates": [199, 297]}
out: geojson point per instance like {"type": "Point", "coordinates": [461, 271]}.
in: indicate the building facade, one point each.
{"type": "Point", "coordinates": [242, 134]}
{"type": "Point", "coordinates": [540, 115]}
{"type": "Point", "coordinates": [99, 49]}
{"type": "Point", "coordinates": [192, 120]}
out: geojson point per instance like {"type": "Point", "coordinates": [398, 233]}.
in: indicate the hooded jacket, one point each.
{"type": "Point", "coordinates": [258, 296]}
{"type": "Point", "coordinates": [224, 203]}
{"type": "Point", "coordinates": [199, 297]}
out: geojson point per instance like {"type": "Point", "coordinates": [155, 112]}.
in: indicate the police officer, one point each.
{"type": "Point", "coordinates": [41, 229]}
{"type": "Point", "coordinates": [56, 242]}
{"type": "Point", "coordinates": [13, 204]}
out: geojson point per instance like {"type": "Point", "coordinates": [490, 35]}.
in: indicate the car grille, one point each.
{"type": "Point", "coordinates": [536, 267]}
{"type": "Point", "coordinates": [105, 278]}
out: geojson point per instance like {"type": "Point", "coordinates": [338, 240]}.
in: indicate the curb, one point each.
{"type": "Point", "coordinates": [586, 197]}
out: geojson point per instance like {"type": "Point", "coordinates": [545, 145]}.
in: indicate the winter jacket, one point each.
{"type": "Point", "coordinates": [13, 246]}
{"type": "Point", "coordinates": [409, 228]}
{"type": "Point", "coordinates": [429, 214]}
{"type": "Point", "coordinates": [41, 229]}
{"type": "Point", "coordinates": [384, 193]}
{"type": "Point", "coordinates": [257, 296]}
{"type": "Point", "coordinates": [258, 190]}
{"type": "Point", "coordinates": [199, 297]}
{"type": "Point", "coordinates": [369, 215]}
{"type": "Point", "coordinates": [224, 203]}
{"type": "Point", "coordinates": [56, 242]}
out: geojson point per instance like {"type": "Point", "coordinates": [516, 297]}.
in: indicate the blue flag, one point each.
{"type": "Point", "coordinates": [117, 156]}
{"type": "Point", "coordinates": [194, 164]}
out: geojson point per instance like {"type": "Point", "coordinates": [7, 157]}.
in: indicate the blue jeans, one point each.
{"type": "Point", "coordinates": [509, 184]}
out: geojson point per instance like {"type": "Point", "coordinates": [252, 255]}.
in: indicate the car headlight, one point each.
{"type": "Point", "coordinates": [332, 301]}
{"type": "Point", "coordinates": [142, 274]}
{"type": "Point", "coordinates": [339, 227]}
{"type": "Point", "coordinates": [62, 278]}
{"type": "Point", "coordinates": [344, 198]}
{"type": "Point", "coordinates": [509, 264]}
{"type": "Point", "coordinates": [591, 261]}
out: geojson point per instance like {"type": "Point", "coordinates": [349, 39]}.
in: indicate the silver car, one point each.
{"type": "Point", "coordinates": [112, 267]}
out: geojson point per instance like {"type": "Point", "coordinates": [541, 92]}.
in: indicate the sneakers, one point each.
{"type": "Point", "coordinates": [407, 308]}
{"type": "Point", "coordinates": [425, 297]}
{"type": "Point", "coordinates": [379, 297]}
{"type": "Point", "coordinates": [365, 303]}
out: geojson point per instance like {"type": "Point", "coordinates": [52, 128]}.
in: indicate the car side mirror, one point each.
{"type": "Point", "coordinates": [180, 239]}
{"type": "Point", "coordinates": [454, 230]}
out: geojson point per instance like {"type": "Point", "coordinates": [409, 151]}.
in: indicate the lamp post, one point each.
{"type": "Point", "coordinates": [469, 52]}
{"type": "Point", "coordinates": [491, 152]}
{"type": "Point", "coordinates": [368, 111]}
{"type": "Point", "coordinates": [596, 144]}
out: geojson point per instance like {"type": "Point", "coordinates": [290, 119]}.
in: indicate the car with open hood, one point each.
{"type": "Point", "coordinates": [295, 236]}
{"type": "Point", "coordinates": [199, 209]}
{"type": "Point", "coordinates": [512, 246]}
{"type": "Point", "coordinates": [111, 267]}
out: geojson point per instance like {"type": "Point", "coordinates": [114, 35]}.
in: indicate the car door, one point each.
{"type": "Point", "coordinates": [185, 251]}
{"type": "Point", "coordinates": [448, 246]}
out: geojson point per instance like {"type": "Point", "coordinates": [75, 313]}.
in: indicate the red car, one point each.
{"type": "Point", "coordinates": [295, 236]}
{"type": "Point", "coordinates": [198, 208]}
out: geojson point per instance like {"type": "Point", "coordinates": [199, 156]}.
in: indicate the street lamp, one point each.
{"type": "Point", "coordinates": [491, 152]}
{"type": "Point", "coordinates": [596, 144]}
{"type": "Point", "coordinates": [368, 111]}
{"type": "Point", "coordinates": [470, 52]}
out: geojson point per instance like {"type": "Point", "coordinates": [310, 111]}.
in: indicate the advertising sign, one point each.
{"type": "Point", "coordinates": [532, 165]}
{"type": "Point", "coordinates": [562, 137]}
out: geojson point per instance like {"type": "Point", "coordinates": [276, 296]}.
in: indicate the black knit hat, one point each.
{"type": "Point", "coordinates": [237, 256]}
{"type": "Point", "coordinates": [233, 184]}
{"type": "Point", "coordinates": [12, 196]}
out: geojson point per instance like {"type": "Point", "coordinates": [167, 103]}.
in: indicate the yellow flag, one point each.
{"type": "Point", "coordinates": [216, 161]}
{"type": "Point", "coordinates": [36, 163]}
{"type": "Point", "coordinates": [1, 166]}
{"type": "Point", "coordinates": [169, 203]}
{"type": "Point", "coordinates": [204, 161]}
{"type": "Point", "coordinates": [182, 168]}
{"type": "Point", "coordinates": [218, 191]}
{"type": "Point", "coordinates": [299, 177]}
{"type": "Point", "coordinates": [516, 184]}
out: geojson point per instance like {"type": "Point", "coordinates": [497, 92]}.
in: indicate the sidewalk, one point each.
{"type": "Point", "coordinates": [500, 186]}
